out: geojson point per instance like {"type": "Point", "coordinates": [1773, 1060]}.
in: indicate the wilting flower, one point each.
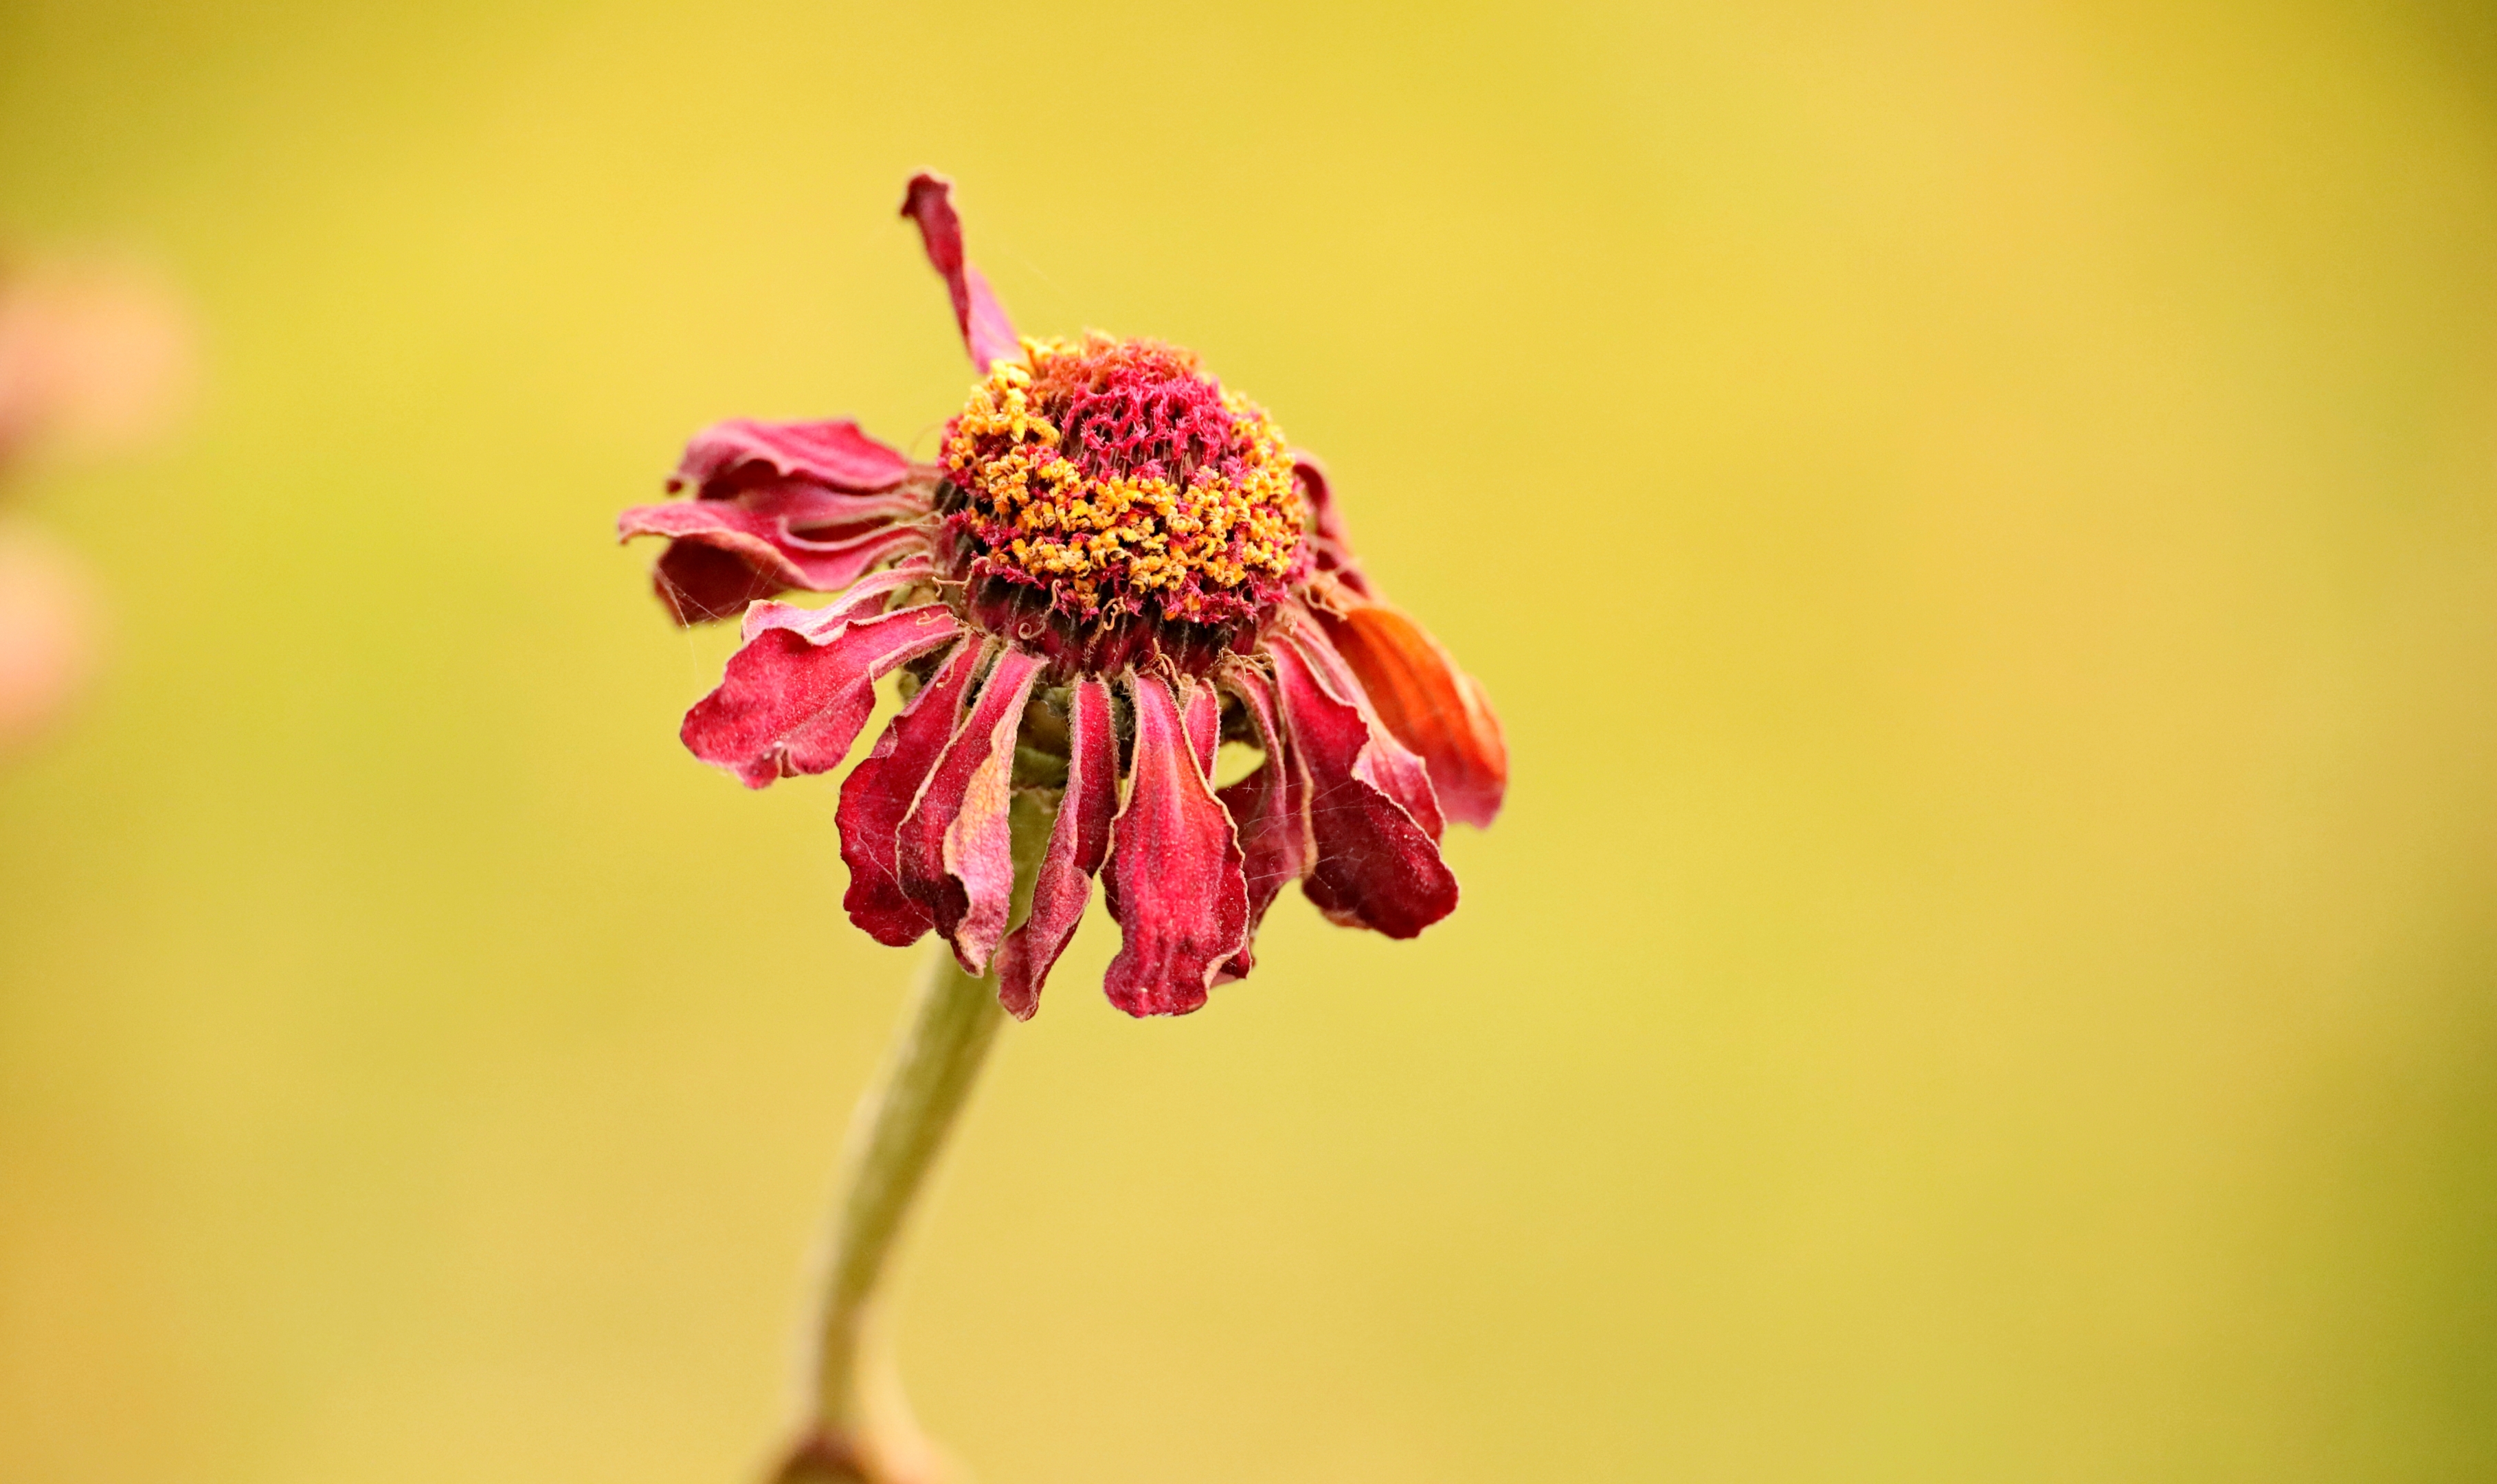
{"type": "Point", "coordinates": [1115, 564]}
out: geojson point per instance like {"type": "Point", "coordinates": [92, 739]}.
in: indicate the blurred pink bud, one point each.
{"type": "Point", "coordinates": [47, 631]}
{"type": "Point", "coordinates": [95, 355]}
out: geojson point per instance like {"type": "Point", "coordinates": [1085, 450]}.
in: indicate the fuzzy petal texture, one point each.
{"type": "Point", "coordinates": [1377, 866]}
{"type": "Point", "coordinates": [877, 795]}
{"type": "Point", "coordinates": [1175, 881]}
{"type": "Point", "coordinates": [987, 333]}
{"type": "Point", "coordinates": [791, 699]}
{"type": "Point", "coordinates": [740, 454]}
{"type": "Point", "coordinates": [1270, 809]}
{"type": "Point", "coordinates": [956, 850]}
{"type": "Point", "coordinates": [1078, 841]}
{"type": "Point", "coordinates": [1431, 706]}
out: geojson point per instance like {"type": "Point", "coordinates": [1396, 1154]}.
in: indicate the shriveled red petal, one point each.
{"type": "Point", "coordinates": [866, 597]}
{"type": "Point", "coordinates": [877, 795]}
{"type": "Point", "coordinates": [1330, 544]}
{"type": "Point", "coordinates": [1270, 809]}
{"type": "Point", "coordinates": [1433, 707]}
{"type": "Point", "coordinates": [1394, 769]}
{"type": "Point", "coordinates": [987, 333]}
{"type": "Point", "coordinates": [1175, 879]}
{"type": "Point", "coordinates": [783, 535]}
{"type": "Point", "coordinates": [730, 457]}
{"type": "Point", "coordinates": [1078, 841]}
{"type": "Point", "coordinates": [1377, 866]}
{"type": "Point", "coordinates": [701, 584]}
{"type": "Point", "coordinates": [956, 850]}
{"type": "Point", "coordinates": [792, 702]}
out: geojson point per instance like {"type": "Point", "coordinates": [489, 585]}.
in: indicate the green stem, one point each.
{"type": "Point", "coordinates": [860, 1426]}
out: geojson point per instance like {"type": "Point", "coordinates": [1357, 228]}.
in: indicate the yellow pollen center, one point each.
{"type": "Point", "coordinates": [1112, 472]}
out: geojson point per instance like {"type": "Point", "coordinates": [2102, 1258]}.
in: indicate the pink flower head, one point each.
{"type": "Point", "coordinates": [1116, 565]}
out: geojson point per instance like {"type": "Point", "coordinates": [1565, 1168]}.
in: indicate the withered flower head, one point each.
{"type": "Point", "coordinates": [1116, 564]}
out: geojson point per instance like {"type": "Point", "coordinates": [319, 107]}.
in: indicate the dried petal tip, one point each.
{"type": "Point", "coordinates": [1174, 878]}
{"type": "Point", "coordinates": [987, 333]}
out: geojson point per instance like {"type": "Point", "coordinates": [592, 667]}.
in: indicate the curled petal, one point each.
{"type": "Point", "coordinates": [877, 795]}
{"type": "Point", "coordinates": [727, 553]}
{"type": "Point", "coordinates": [956, 850]}
{"type": "Point", "coordinates": [1387, 764]}
{"type": "Point", "coordinates": [727, 458]}
{"type": "Point", "coordinates": [1270, 809]}
{"type": "Point", "coordinates": [866, 597]}
{"type": "Point", "coordinates": [1330, 544]}
{"type": "Point", "coordinates": [1377, 864]}
{"type": "Point", "coordinates": [1175, 879]}
{"type": "Point", "coordinates": [1430, 705]}
{"type": "Point", "coordinates": [701, 583]}
{"type": "Point", "coordinates": [987, 333]}
{"type": "Point", "coordinates": [792, 702]}
{"type": "Point", "coordinates": [1078, 840]}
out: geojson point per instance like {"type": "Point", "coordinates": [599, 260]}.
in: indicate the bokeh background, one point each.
{"type": "Point", "coordinates": [1980, 519]}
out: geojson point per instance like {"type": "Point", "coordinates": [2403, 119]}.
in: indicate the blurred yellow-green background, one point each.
{"type": "Point", "coordinates": [1980, 520]}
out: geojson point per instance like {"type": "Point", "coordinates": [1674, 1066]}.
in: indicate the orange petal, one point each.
{"type": "Point", "coordinates": [1429, 704]}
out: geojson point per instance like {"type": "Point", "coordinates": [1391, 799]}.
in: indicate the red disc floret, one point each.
{"type": "Point", "coordinates": [1114, 492]}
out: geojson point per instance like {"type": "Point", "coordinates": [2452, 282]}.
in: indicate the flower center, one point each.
{"type": "Point", "coordinates": [1111, 480]}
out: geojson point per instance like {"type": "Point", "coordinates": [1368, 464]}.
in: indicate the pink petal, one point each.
{"type": "Point", "coordinates": [1270, 809]}
{"type": "Point", "coordinates": [1430, 705]}
{"type": "Point", "coordinates": [987, 333]}
{"type": "Point", "coordinates": [1175, 879]}
{"type": "Point", "coordinates": [956, 850]}
{"type": "Point", "coordinates": [877, 795]}
{"type": "Point", "coordinates": [1330, 544]}
{"type": "Point", "coordinates": [1077, 843]}
{"type": "Point", "coordinates": [760, 529]}
{"type": "Point", "coordinates": [1388, 765]}
{"type": "Point", "coordinates": [791, 702]}
{"type": "Point", "coordinates": [868, 597]}
{"type": "Point", "coordinates": [701, 584]}
{"type": "Point", "coordinates": [1378, 866]}
{"type": "Point", "coordinates": [729, 457]}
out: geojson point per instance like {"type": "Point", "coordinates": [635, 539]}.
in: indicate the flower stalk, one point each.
{"type": "Point", "coordinates": [858, 1427]}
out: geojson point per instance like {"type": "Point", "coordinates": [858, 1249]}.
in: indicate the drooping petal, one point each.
{"type": "Point", "coordinates": [1078, 841]}
{"type": "Point", "coordinates": [1394, 769]}
{"type": "Point", "coordinates": [1174, 880]}
{"type": "Point", "coordinates": [792, 702]}
{"type": "Point", "coordinates": [730, 457]}
{"type": "Point", "coordinates": [1270, 809]}
{"type": "Point", "coordinates": [877, 795]}
{"type": "Point", "coordinates": [1330, 544]}
{"type": "Point", "coordinates": [1377, 865]}
{"type": "Point", "coordinates": [956, 850]}
{"type": "Point", "coordinates": [987, 333]}
{"type": "Point", "coordinates": [1431, 706]}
